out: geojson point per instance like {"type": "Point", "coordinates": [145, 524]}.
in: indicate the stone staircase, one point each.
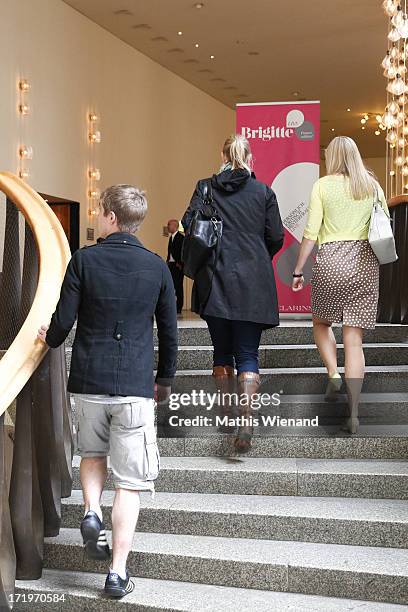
{"type": "Point", "coordinates": [305, 521]}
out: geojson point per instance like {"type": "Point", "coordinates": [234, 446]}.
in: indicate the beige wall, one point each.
{"type": "Point", "coordinates": [158, 131]}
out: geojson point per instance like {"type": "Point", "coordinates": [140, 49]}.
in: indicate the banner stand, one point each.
{"type": "Point", "coordinates": [285, 144]}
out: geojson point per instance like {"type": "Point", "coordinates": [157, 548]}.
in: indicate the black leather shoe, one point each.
{"type": "Point", "coordinates": [94, 537]}
{"type": "Point", "coordinates": [115, 586]}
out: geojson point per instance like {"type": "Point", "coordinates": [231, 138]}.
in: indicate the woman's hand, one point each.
{"type": "Point", "coordinates": [305, 251]}
{"type": "Point", "coordinates": [297, 283]}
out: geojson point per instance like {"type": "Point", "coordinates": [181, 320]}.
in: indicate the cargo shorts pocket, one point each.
{"type": "Point", "coordinates": [152, 454]}
{"type": "Point", "coordinates": [134, 451]}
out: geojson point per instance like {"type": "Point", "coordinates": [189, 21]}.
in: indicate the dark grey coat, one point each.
{"type": "Point", "coordinates": [243, 286]}
{"type": "Point", "coordinates": [116, 288]}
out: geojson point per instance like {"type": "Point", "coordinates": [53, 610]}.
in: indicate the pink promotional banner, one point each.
{"type": "Point", "coordinates": [285, 143]}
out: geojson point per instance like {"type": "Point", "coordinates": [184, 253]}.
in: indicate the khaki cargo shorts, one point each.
{"type": "Point", "coordinates": [126, 432]}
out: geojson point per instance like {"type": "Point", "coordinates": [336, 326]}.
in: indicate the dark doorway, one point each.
{"type": "Point", "coordinates": [67, 212]}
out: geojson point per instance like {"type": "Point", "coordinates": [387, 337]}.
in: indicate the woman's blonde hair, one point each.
{"type": "Point", "coordinates": [237, 150]}
{"type": "Point", "coordinates": [343, 157]}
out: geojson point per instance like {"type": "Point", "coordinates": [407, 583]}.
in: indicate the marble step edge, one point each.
{"type": "Point", "coordinates": [331, 520]}
{"type": "Point", "coordinates": [379, 446]}
{"type": "Point", "coordinates": [331, 570]}
{"type": "Point", "coordinates": [370, 479]}
{"type": "Point", "coordinates": [84, 590]}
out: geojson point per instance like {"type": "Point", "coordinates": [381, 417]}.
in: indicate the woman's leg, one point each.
{"type": "Point", "coordinates": [221, 337]}
{"type": "Point", "coordinates": [223, 366]}
{"type": "Point", "coordinates": [326, 344]}
{"type": "Point", "coordinates": [354, 362]}
{"type": "Point", "coordinates": [354, 371]}
{"type": "Point", "coordinates": [246, 339]}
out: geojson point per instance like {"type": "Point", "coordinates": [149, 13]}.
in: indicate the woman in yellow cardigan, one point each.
{"type": "Point", "coordinates": [345, 278]}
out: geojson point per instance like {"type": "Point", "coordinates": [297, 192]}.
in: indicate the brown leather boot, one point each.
{"type": "Point", "coordinates": [219, 371]}
{"type": "Point", "coordinates": [225, 382]}
{"type": "Point", "coordinates": [248, 384]}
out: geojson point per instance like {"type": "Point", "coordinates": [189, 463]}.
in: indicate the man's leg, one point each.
{"type": "Point", "coordinates": [93, 446]}
{"type": "Point", "coordinates": [174, 276]}
{"type": "Point", "coordinates": [125, 513]}
{"type": "Point", "coordinates": [132, 425]}
{"type": "Point", "coordinates": [180, 292]}
{"type": "Point", "coordinates": [93, 473]}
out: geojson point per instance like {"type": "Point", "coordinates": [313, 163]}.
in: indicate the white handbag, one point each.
{"type": "Point", "coordinates": [380, 234]}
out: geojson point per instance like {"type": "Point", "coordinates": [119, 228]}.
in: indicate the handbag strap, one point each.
{"type": "Point", "coordinates": [377, 201]}
{"type": "Point", "coordinates": [208, 193]}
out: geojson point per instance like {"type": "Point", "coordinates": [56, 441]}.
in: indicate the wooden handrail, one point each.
{"type": "Point", "coordinates": [26, 351]}
{"type": "Point", "coordinates": [397, 200]}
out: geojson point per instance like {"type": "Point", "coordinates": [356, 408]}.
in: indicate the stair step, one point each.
{"type": "Point", "coordinates": [374, 408]}
{"type": "Point", "coordinates": [379, 412]}
{"type": "Point", "coordinates": [295, 381]}
{"type": "Point", "coordinates": [279, 476]}
{"type": "Point", "coordinates": [84, 590]}
{"type": "Point", "coordinates": [195, 333]}
{"type": "Point", "coordinates": [379, 408]}
{"type": "Point", "coordinates": [334, 520]}
{"type": "Point", "coordinates": [329, 570]}
{"type": "Point", "coordinates": [287, 355]}
{"type": "Point", "coordinates": [379, 446]}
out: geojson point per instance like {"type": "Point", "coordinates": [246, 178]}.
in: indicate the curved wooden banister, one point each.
{"type": "Point", "coordinates": [397, 200]}
{"type": "Point", "coordinates": [26, 352]}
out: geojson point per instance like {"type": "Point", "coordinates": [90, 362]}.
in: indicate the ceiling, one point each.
{"type": "Point", "coordinates": [266, 50]}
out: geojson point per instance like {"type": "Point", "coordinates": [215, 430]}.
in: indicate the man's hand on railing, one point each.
{"type": "Point", "coordinates": [42, 332]}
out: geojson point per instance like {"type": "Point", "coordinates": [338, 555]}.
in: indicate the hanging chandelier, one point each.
{"type": "Point", "coordinates": [395, 117]}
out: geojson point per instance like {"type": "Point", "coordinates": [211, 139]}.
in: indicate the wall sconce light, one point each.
{"type": "Point", "coordinates": [25, 152]}
{"type": "Point", "coordinates": [24, 85]}
{"type": "Point", "coordinates": [94, 173]}
{"type": "Point", "coordinates": [95, 137]}
{"type": "Point", "coordinates": [24, 109]}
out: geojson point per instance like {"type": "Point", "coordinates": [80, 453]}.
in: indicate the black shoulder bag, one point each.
{"type": "Point", "coordinates": [202, 239]}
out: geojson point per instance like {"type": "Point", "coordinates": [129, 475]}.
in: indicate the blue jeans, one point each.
{"type": "Point", "coordinates": [236, 343]}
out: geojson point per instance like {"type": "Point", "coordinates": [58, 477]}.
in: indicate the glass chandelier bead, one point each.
{"type": "Point", "coordinates": [397, 86]}
{"type": "Point", "coordinates": [398, 17]}
{"type": "Point", "coordinates": [387, 61]}
{"type": "Point", "coordinates": [403, 28]}
{"type": "Point", "coordinates": [394, 35]}
{"type": "Point", "coordinates": [401, 68]}
{"type": "Point", "coordinates": [391, 72]}
{"type": "Point", "coordinates": [390, 7]}
{"type": "Point", "coordinates": [393, 107]}
{"type": "Point", "coordinates": [391, 137]}
{"type": "Point", "coordinates": [394, 53]}
{"type": "Point", "coordinates": [389, 120]}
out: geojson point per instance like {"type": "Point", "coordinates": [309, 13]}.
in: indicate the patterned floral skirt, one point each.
{"type": "Point", "coordinates": [345, 283]}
